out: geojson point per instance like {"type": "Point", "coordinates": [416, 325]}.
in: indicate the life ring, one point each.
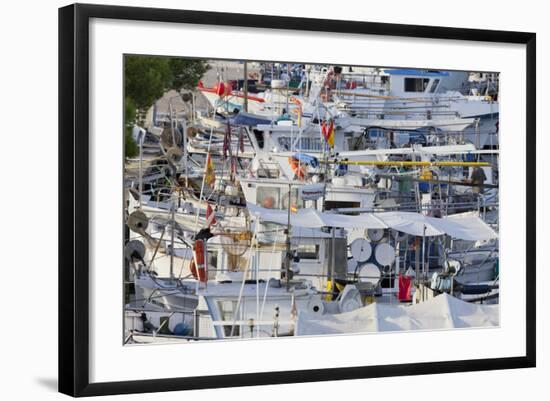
{"type": "Point", "coordinates": [298, 169]}
{"type": "Point", "coordinates": [200, 266]}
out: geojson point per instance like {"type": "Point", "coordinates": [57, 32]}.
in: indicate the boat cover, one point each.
{"type": "Point", "coordinates": [249, 119]}
{"type": "Point", "coordinates": [312, 218]}
{"type": "Point", "coordinates": [466, 227]}
{"type": "Point", "coordinates": [441, 312]}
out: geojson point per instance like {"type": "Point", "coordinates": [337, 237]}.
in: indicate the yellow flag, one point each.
{"type": "Point", "coordinates": [209, 177]}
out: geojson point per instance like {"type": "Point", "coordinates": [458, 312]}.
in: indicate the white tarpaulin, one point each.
{"type": "Point", "coordinates": [465, 227]}
{"type": "Point", "coordinates": [312, 218]}
{"type": "Point", "coordinates": [441, 312]}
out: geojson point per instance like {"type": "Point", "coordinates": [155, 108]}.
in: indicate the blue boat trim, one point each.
{"type": "Point", "coordinates": [420, 73]}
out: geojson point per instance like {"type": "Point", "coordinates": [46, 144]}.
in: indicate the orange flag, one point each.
{"type": "Point", "coordinates": [328, 132]}
{"type": "Point", "coordinates": [209, 177]}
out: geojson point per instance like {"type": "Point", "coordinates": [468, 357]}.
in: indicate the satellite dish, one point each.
{"type": "Point", "coordinates": [368, 273]}
{"type": "Point", "coordinates": [361, 249]}
{"type": "Point", "coordinates": [384, 254]}
{"type": "Point", "coordinates": [138, 222]}
{"type": "Point", "coordinates": [134, 249]}
{"type": "Point", "coordinates": [174, 155]}
{"type": "Point", "coordinates": [375, 234]}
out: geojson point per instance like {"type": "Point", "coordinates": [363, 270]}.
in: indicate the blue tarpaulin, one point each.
{"type": "Point", "coordinates": [249, 119]}
{"type": "Point", "coordinates": [306, 159]}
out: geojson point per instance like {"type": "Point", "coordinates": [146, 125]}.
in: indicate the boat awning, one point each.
{"type": "Point", "coordinates": [465, 227]}
{"type": "Point", "coordinates": [249, 119]}
{"type": "Point", "coordinates": [441, 312]}
{"type": "Point", "coordinates": [311, 218]}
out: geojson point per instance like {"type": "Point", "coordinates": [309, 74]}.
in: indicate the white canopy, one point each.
{"type": "Point", "coordinates": [441, 312]}
{"type": "Point", "coordinates": [467, 227]}
{"type": "Point", "coordinates": [312, 218]}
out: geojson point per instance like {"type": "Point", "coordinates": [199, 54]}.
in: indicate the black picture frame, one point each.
{"type": "Point", "coordinates": [74, 198]}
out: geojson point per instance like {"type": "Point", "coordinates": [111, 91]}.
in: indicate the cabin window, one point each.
{"type": "Point", "coordinates": [307, 251]}
{"type": "Point", "coordinates": [416, 84]}
{"type": "Point", "coordinates": [284, 143]}
{"type": "Point", "coordinates": [268, 197]}
{"type": "Point", "coordinates": [309, 144]}
{"type": "Point", "coordinates": [435, 83]}
{"type": "Point", "coordinates": [375, 132]}
{"type": "Point", "coordinates": [259, 135]}
{"type": "Point", "coordinates": [329, 205]}
{"type": "Point", "coordinates": [302, 144]}
{"type": "Point", "coordinates": [295, 202]}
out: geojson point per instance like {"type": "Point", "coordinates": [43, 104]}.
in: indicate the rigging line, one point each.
{"type": "Point", "coordinates": [272, 261]}
{"type": "Point", "coordinates": [203, 178]}
{"type": "Point", "coordinates": [238, 306]}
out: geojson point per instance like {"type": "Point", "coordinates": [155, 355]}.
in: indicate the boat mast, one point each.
{"type": "Point", "coordinates": [287, 259]}
{"type": "Point", "coordinates": [245, 87]}
{"type": "Point", "coordinates": [173, 222]}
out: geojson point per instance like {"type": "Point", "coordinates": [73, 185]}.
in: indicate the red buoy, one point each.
{"type": "Point", "coordinates": [200, 259]}
{"type": "Point", "coordinates": [222, 89]}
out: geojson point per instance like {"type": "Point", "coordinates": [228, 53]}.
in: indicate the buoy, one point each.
{"type": "Point", "coordinates": [200, 262]}
{"type": "Point", "coordinates": [222, 89]}
{"type": "Point", "coordinates": [138, 221]}
{"type": "Point", "coordinates": [182, 329]}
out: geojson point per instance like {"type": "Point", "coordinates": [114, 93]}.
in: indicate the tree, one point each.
{"type": "Point", "coordinates": [130, 146]}
{"type": "Point", "coordinates": [187, 72]}
{"type": "Point", "coordinates": [146, 78]}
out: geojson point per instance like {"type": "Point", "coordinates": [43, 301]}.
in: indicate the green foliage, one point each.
{"type": "Point", "coordinates": [187, 72]}
{"type": "Point", "coordinates": [130, 145]}
{"type": "Point", "coordinates": [146, 79]}
{"type": "Point", "coordinates": [130, 110]}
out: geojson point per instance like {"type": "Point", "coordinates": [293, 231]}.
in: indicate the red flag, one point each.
{"type": "Point", "coordinates": [328, 132]}
{"type": "Point", "coordinates": [210, 216]}
{"type": "Point", "coordinates": [404, 288]}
